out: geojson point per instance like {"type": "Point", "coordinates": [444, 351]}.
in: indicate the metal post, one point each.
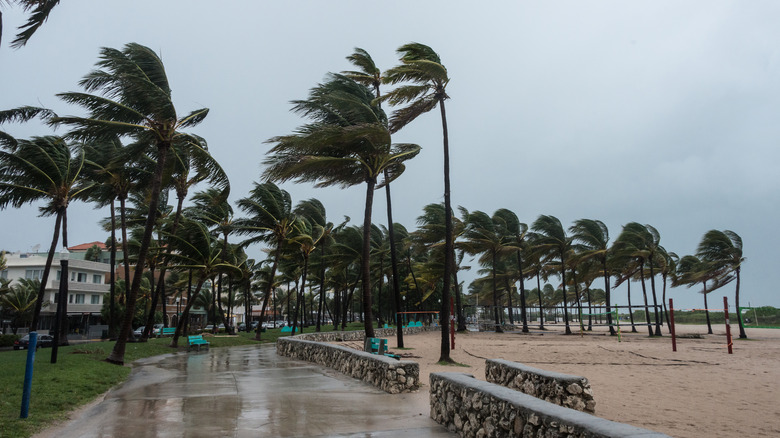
{"type": "Point", "coordinates": [28, 374]}
{"type": "Point", "coordinates": [62, 296]}
{"type": "Point", "coordinates": [671, 324]}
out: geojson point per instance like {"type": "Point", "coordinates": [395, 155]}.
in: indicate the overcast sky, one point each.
{"type": "Point", "coordinates": [663, 113]}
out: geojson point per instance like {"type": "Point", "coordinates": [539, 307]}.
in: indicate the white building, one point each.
{"type": "Point", "coordinates": [87, 287]}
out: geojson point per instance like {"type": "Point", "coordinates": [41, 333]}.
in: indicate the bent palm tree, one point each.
{"type": "Point", "coordinates": [592, 238]}
{"type": "Point", "coordinates": [269, 220]}
{"type": "Point", "coordinates": [723, 249]}
{"type": "Point", "coordinates": [422, 66]}
{"type": "Point", "coordinates": [42, 169]}
{"type": "Point", "coordinates": [551, 242]}
{"type": "Point", "coordinates": [347, 143]}
{"type": "Point", "coordinates": [134, 100]}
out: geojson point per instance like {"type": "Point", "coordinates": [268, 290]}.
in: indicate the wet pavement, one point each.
{"type": "Point", "coordinates": [248, 392]}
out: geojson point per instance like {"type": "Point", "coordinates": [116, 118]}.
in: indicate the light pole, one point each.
{"type": "Point", "coordinates": [62, 296]}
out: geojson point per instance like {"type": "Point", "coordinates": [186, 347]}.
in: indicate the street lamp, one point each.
{"type": "Point", "coordinates": [62, 297]}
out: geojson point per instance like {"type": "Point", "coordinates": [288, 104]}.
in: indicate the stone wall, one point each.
{"type": "Point", "coordinates": [359, 335]}
{"type": "Point", "coordinates": [389, 374]}
{"type": "Point", "coordinates": [562, 389]}
{"type": "Point", "coordinates": [473, 408]}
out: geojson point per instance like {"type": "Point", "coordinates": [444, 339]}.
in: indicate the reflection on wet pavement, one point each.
{"type": "Point", "coordinates": [248, 392]}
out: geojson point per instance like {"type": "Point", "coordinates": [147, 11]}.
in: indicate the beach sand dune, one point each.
{"type": "Point", "coordinates": [698, 391]}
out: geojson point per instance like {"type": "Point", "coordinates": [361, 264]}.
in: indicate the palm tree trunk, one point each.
{"type": "Point", "coordinates": [509, 300]}
{"type": "Point", "coordinates": [607, 296]}
{"type": "Point", "coordinates": [117, 355]}
{"type": "Point", "coordinates": [707, 309]}
{"type": "Point", "coordinates": [301, 294]}
{"type": "Point", "coordinates": [449, 244]}
{"type": "Point", "coordinates": [630, 310]}
{"type": "Point", "coordinates": [366, 258]}
{"type": "Point", "coordinates": [322, 286]}
{"type": "Point", "coordinates": [45, 275]}
{"type": "Point", "coordinates": [655, 300]}
{"type": "Point", "coordinates": [663, 306]}
{"type": "Point", "coordinates": [394, 267]}
{"type": "Point", "coordinates": [125, 252]}
{"type": "Point", "coordinates": [644, 294]}
{"type": "Point", "coordinates": [495, 296]}
{"type": "Point", "coordinates": [541, 303]}
{"type": "Point", "coordinates": [62, 330]}
{"type": "Point", "coordinates": [742, 333]}
{"type": "Point", "coordinates": [269, 290]}
{"type": "Point", "coordinates": [563, 286]}
{"type": "Point", "coordinates": [112, 277]}
{"type": "Point", "coordinates": [523, 315]}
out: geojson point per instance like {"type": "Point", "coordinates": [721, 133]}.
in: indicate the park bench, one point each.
{"type": "Point", "coordinates": [378, 346]}
{"type": "Point", "coordinates": [196, 341]}
{"type": "Point", "coordinates": [166, 331]}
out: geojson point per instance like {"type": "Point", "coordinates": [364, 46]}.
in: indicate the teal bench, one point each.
{"type": "Point", "coordinates": [196, 341]}
{"type": "Point", "coordinates": [166, 331]}
{"type": "Point", "coordinates": [287, 329]}
{"type": "Point", "coordinates": [378, 346]}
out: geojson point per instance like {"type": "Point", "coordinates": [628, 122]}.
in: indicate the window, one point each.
{"type": "Point", "coordinates": [70, 298]}
{"type": "Point", "coordinates": [4, 274]}
{"type": "Point", "coordinates": [97, 279]}
{"type": "Point", "coordinates": [82, 277]}
{"type": "Point", "coordinates": [59, 275]}
{"type": "Point", "coordinates": [95, 299]}
{"type": "Point", "coordinates": [79, 298]}
{"type": "Point", "coordinates": [72, 275]}
{"type": "Point", "coordinates": [33, 274]}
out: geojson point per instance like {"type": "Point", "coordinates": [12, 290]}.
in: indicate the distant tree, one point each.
{"type": "Point", "coordinates": [723, 251]}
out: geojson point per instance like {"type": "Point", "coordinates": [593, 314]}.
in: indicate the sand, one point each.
{"type": "Point", "coordinates": [698, 391]}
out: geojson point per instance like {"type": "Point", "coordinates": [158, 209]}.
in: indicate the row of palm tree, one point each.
{"type": "Point", "coordinates": [131, 147]}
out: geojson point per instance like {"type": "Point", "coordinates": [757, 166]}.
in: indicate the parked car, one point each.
{"type": "Point", "coordinates": [24, 342]}
{"type": "Point", "coordinates": [139, 331]}
{"type": "Point", "coordinates": [242, 327]}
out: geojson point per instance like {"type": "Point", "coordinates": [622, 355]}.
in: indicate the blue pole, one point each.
{"type": "Point", "coordinates": [28, 374]}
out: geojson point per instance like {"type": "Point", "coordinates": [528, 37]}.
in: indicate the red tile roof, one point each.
{"type": "Point", "coordinates": [86, 246]}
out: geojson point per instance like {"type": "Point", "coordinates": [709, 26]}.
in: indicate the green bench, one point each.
{"type": "Point", "coordinates": [378, 346]}
{"type": "Point", "coordinates": [196, 341]}
{"type": "Point", "coordinates": [166, 331]}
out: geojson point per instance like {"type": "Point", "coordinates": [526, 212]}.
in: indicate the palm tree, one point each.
{"type": "Point", "coordinates": [485, 235]}
{"type": "Point", "coordinates": [517, 232]}
{"type": "Point", "coordinates": [371, 76]}
{"type": "Point", "coordinates": [42, 169]}
{"type": "Point", "coordinates": [134, 100]}
{"type": "Point", "coordinates": [551, 242]}
{"type": "Point", "coordinates": [635, 246]}
{"type": "Point", "coordinates": [723, 250]}
{"type": "Point", "coordinates": [691, 270]}
{"type": "Point", "coordinates": [421, 66]}
{"type": "Point", "coordinates": [592, 238]}
{"type": "Point", "coordinates": [269, 220]}
{"type": "Point", "coordinates": [198, 250]}
{"type": "Point", "coordinates": [39, 13]}
{"type": "Point", "coordinates": [347, 143]}
{"type": "Point", "coordinates": [18, 304]}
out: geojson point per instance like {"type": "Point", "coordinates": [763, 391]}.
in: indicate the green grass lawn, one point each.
{"type": "Point", "coordinates": [81, 374]}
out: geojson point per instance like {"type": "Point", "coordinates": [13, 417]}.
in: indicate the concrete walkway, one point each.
{"type": "Point", "coordinates": [248, 392]}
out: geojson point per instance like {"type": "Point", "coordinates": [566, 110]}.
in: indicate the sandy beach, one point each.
{"type": "Point", "coordinates": [698, 391]}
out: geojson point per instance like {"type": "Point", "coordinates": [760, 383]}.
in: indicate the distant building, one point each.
{"type": "Point", "coordinates": [88, 287]}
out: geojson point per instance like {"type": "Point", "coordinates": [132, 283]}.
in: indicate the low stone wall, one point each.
{"type": "Point", "coordinates": [359, 335]}
{"type": "Point", "coordinates": [389, 374]}
{"type": "Point", "coordinates": [562, 389]}
{"type": "Point", "coordinates": [473, 408]}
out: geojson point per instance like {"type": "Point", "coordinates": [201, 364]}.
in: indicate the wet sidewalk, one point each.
{"type": "Point", "coordinates": [248, 392]}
